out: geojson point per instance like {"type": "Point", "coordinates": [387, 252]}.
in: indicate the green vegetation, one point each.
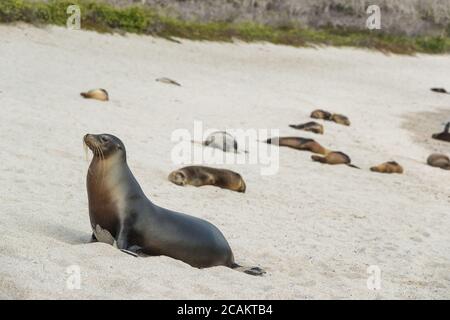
{"type": "Point", "coordinates": [139, 19]}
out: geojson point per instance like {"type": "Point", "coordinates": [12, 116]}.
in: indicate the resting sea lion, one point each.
{"type": "Point", "coordinates": [201, 176]}
{"type": "Point", "coordinates": [388, 167]}
{"type": "Point", "coordinates": [439, 160]}
{"type": "Point", "coordinates": [341, 119]}
{"type": "Point", "coordinates": [97, 94]}
{"type": "Point", "coordinates": [439, 90]}
{"type": "Point", "coordinates": [445, 135]}
{"type": "Point", "coordinates": [298, 143]}
{"type": "Point", "coordinates": [321, 114]}
{"type": "Point", "coordinates": [335, 157]}
{"type": "Point", "coordinates": [168, 81]}
{"type": "Point", "coordinates": [119, 207]}
{"type": "Point", "coordinates": [221, 140]}
{"type": "Point", "coordinates": [311, 126]}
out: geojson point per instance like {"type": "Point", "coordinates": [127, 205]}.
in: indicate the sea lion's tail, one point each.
{"type": "Point", "coordinates": [254, 271]}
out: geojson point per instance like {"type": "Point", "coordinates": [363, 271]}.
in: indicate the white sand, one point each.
{"type": "Point", "coordinates": [314, 228]}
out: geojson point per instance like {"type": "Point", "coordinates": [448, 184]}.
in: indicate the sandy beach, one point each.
{"type": "Point", "coordinates": [314, 228]}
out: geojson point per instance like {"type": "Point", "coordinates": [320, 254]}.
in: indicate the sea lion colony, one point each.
{"type": "Point", "coordinates": [126, 232]}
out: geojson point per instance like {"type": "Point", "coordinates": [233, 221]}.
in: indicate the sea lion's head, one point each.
{"type": "Point", "coordinates": [178, 177]}
{"type": "Point", "coordinates": [105, 146]}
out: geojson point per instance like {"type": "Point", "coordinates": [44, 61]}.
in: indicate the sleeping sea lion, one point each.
{"type": "Point", "coordinates": [298, 143]}
{"type": "Point", "coordinates": [340, 118]}
{"type": "Point", "coordinates": [388, 167]}
{"type": "Point", "coordinates": [439, 160]}
{"type": "Point", "coordinates": [311, 126]}
{"type": "Point", "coordinates": [168, 81]}
{"type": "Point", "coordinates": [97, 94]}
{"type": "Point", "coordinates": [202, 176]}
{"type": "Point", "coordinates": [321, 114]}
{"type": "Point", "coordinates": [333, 158]}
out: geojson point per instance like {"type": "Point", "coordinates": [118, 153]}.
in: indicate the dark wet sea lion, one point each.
{"type": "Point", "coordinates": [298, 143]}
{"type": "Point", "coordinates": [439, 90]}
{"type": "Point", "coordinates": [443, 136]}
{"type": "Point", "coordinates": [439, 161]}
{"type": "Point", "coordinates": [119, 207]}
{"type": "Point", "coordinates": [341, 119]}
{"type": "Point", "coordinates": [333, 158]}
{"type": "Point", "coordinates": [311, 126]}
{"type": "Point", "coordinates": [388, 167]}
{"type": "Point", "coordinates": [321, 114]}
{"type": "Point", "coordinates": [97, 94]}
{"type": "Point", "coordinates": [201, 176]}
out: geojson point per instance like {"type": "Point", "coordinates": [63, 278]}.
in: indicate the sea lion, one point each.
{"type": "Point", "coordinates": [439, 90]}
{"type": "Point", "coordinates": [168, 81]}
{"type": "Point", "coordinates": [298, 143]}
{"type": "Point", "coordinates": [388, 167]}
{"type": "Point", "coordinates": [118, 205]}
{"type": "Point", "coordinates": [221, 140]}
{"type": "Point", "coordinates": [311, 126]}
{"type": "Point", "coordinates": [321, 114]}
{"type": "Point", "coordinates": [201, 176]}
{"type": "Point", "coordinates": [97, 94]}
{"type": "Point", "coordinates": [333, 158]}
{"type": "Point", "coordinates": [443, 136]}
{"type": "Point", "coordinates": [340, 119]}
{"type": "Point", "coordinates": [439, 160]}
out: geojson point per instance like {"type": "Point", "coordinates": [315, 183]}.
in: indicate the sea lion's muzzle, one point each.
{"type": "Point", "coordinates": [92, 141]}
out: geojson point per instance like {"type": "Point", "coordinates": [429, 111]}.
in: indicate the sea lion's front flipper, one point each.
{"type": "Point", "coordinates": [103, 235]}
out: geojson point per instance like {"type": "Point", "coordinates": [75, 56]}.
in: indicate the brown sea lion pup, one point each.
{"type": "Point", "coordinates": [388, 167]}
{"type": "Point", "coordinates": [340, 118]}
{"type": "Point", "coordinates": [333, 158]}
{"type": "Point", "coordinates": [203, 176]}
{"type": "Point", "coordinates": [298, 143]}
{"type": "Point", "coordinates": [311, 126]}
{"type": "Point", "coordinates": [121, 214]}
{"type": "Point", "coordinates": [443, 136]}
{"type": "Point", "coordinates": [321, 114]}
{"type": "Point", "coordinates": [97, 94]}
{"type": "Point", "coordinates": [439, 160]}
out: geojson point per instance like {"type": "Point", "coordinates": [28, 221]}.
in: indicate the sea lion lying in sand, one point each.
{"type": "Point", "coordinates": [439, 160]}
{"type": "Point", "coordinates": [388, 167]}
{"type": "Point", "coordinates": [325, 115]}
{"type": "Point", "coordinates": [97, 94]}
{"type": "Point", "coordinates": [439, 90]}
{"type": "Point", "coordinates": [202, 176]}
{"type": "Point", "coordinates": [298, 143]}
{"type": "Point", "coordinates": [321, 114]}
{"type": "Point", "coordinates": [311, 126]}
{"type": "Point", "coordinates": [120, 212]}
{"type": "Point", "coordinates": [443, 136]}
{"type": "Point", "coordinates": [340, 118]}
{"type": "Point", "coordinates": [168, 81]}
{"type": "Point", "coordinates": [333, 158]}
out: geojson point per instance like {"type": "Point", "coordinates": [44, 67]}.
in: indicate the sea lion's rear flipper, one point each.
{"type": "Point", "coordinates": [353, 166]}
{"type": "Point", "coordinates": [254, 271]}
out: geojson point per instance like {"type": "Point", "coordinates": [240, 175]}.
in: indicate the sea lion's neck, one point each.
{"type": "Point", "coordinates": [112, 181]}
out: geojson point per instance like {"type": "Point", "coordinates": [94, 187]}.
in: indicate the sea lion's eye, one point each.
{"type": "Point", "coordinates": [104, 139]}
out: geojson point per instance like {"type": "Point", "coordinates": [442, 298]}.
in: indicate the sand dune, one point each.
{"type": "Point", "coordinates": [314, 228]}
